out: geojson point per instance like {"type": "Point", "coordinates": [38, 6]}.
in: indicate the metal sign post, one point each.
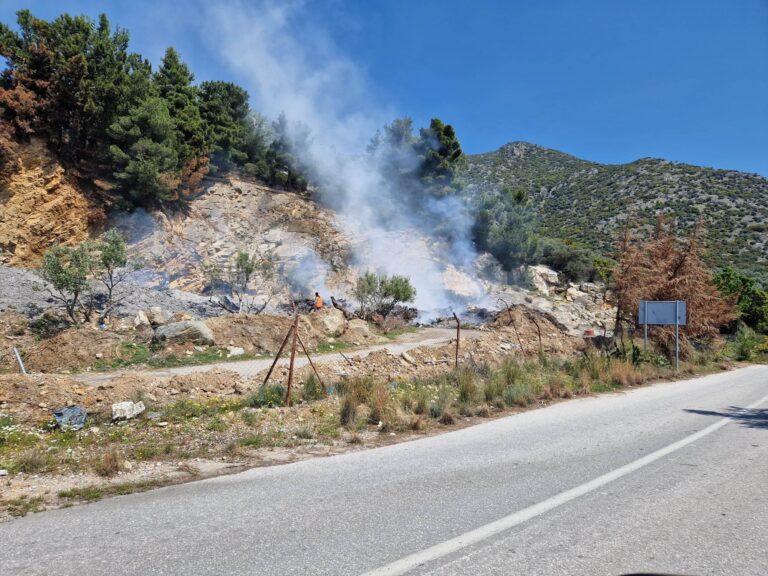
{"type": "Point", "coordinates": [645, 336]}
{"type": "Point", "coordinates": [663, 313]}
{"type": "Point", "coordinates": [677, 335]}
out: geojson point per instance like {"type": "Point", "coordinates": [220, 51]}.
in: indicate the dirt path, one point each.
{"type": "Point", "coordinates": [425, 337]}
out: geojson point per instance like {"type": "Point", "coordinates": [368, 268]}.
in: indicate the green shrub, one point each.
{"type": "Point", "coordinates": [379, 403]}
{"type": "Point", "coordinates": [253, 441]}
{"type": "Point", "coordinates": [421, 400]}
{"type": "Point", "coordinates": [266, 396]}
{"type": "Point", "coordinates": [381, 293]}
{"type": "Point", "coordinates": [510, 372]}
{"type": "Point", "coordinates": [518, 394]}
{"type": "Point", "coordinates": [305, 433]}
{"type": "Point", "coordinates": [312, 390]}
{"type": "Point", "coordinates": [493, 389]}
{"type": "Point", "coordinates": [351, 393]}
{"type": "Point", "coordinates": [442, 404]}
{"type": "Point", "coordinates": [30, 462]}
{"type": "Point", "coordinates": [348, 409]}
{"type": "Point", "coordinates": [746, 343]}
{"type": "Point", "coordinates": [217, 425]}
{"type": "Point", "coordinates": [249, 417]}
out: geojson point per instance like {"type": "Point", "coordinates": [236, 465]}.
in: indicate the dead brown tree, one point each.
{"type": "Point", "coordinates": [665, 266]}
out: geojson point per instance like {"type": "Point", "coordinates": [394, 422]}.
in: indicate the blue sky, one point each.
{"type": "Point", "coordinates": [606, 80]}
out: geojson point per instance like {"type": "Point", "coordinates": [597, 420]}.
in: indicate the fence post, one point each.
{"type": "Point", "coordinates": [293, 357]}
{"type": "Point", "coordinates": [458, 338]}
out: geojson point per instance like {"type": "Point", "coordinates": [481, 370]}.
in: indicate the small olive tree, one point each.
{"type": "Point", "coordinates": [66, 271]}
{"type": "Point", "coordinates": [246, 282]}
{"type": "Point", "coordinates": [379, 293]}
{"type": "Point", "coordinates": [69, 272]}
{"type": "Point", "coordinates": [111, 268]}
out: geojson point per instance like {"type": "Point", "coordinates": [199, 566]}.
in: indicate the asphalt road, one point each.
{"type": "Point", "coordinates": [668, 478]}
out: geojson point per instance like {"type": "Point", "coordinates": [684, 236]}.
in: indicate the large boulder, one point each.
{"type": "Point", "coordinates": [187, 331]}
{"type": "Point", "coordinates": [141, 319]}
{"type": "Point", "coordinates": [542, 278]}
{"type": "Point", "coordinates": [157, 316]}
{"type": "Point", "coordinates": [328, 321]}
{"type": "Point", "coordinates": [358, 329]}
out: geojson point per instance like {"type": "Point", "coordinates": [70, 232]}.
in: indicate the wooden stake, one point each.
{"type": "Point", "coordinates": [458, 337]}
{"type": "Point", "coordinates": [293, 357]}
{"type": "Point", "coordinates": [310, 362]}
{"type": "Point", "coordinates": [514, 325]}
{"type": "Point", "coordinates": [277, 357]}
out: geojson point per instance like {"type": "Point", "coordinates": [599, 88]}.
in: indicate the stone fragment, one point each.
{"type": "Point", "coordinates": [127, 410]}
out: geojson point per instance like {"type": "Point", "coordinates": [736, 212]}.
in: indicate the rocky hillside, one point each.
{"type": "Point", "coordinates": [586, 202]}
{"type": "Point", "coordinates": [40, 206]}
{"type": "Point", "coordinates": [176, 248]}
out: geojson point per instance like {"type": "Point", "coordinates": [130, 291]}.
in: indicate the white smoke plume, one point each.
{"type": "Point", "coordinates": [306, 274]}
{"type": "Point", "coordinates": [290, 67]}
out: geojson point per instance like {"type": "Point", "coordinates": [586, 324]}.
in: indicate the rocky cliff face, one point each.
{"type": "Point", "coordinates": [40, 207]}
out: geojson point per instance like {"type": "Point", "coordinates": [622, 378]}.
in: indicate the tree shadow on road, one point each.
{"type": "Point", "coordinates": [748, 417]}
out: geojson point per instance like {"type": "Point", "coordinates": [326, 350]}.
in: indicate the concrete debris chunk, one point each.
{"type": "Point", "coordinates": [234, 351]}
{"type": "Point", "coordinates": [127, 410]}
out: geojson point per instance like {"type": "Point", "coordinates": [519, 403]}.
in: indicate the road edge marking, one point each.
{"type": "Point", "coordinates": [408, 563]}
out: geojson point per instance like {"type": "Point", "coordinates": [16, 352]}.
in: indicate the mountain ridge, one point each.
{"type": "Point", "coordinates": [586, 203]}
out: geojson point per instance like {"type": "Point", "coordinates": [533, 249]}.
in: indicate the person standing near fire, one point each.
{"type": "Point", "coordinates": [318, 301]}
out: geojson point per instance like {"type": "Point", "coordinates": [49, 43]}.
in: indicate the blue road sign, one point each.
{"type": "Point", "coordinates": [662, 312]}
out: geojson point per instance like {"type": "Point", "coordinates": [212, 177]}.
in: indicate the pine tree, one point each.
{"type": "Point", "coordinates": [441, 155]}
{"type": "Point", "coordinates": [174, 85]}
{"type": "Point", "coordinates": [144, 151]}
{"type": "Point", "coordinates": [224, 109]}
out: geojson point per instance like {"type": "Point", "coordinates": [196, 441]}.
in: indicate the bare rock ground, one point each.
{"type": "Point", "coordinates": [24, 291]}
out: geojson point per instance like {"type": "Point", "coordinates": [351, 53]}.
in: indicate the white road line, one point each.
{"type": "Point", "coordinates": [408, 563]}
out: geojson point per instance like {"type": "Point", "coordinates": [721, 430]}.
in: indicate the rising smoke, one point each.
{"type": "Point", "coordinates": [291, 67]}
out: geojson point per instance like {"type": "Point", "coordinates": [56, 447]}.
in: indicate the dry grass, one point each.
{"type": "Point", "coordinates": [417, 423]}
{"type": "Point", "coordinates": [31, 462]}
{"type": "Point", "coordinates": [110, 463]}
{"type": "Point", "coordinates": [355, 439]}
{"type": "Point", "coordinates": [468, 389]}
{"type": "Point", "coordinates": [379, 403]}
{"type": "Point", "coordinates": [446, 418]}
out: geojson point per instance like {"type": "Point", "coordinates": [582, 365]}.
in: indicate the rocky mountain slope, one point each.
{"type": "Point", "coordinates": [587, 202]}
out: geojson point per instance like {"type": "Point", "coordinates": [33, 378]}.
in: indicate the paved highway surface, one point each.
{"type": "Point", "coordinates": [669, 478]}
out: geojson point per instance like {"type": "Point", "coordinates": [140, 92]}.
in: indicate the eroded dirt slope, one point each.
{"type": "Point", "coordinates": [40, 206]}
